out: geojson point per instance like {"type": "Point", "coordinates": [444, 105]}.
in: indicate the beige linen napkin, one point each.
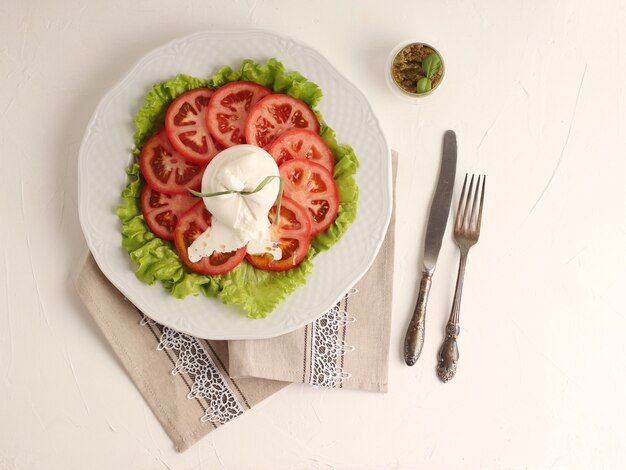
{"type": "Point", "coordinates": [183, 379]}
{"type": "Point", "coordinates": [186, 380]}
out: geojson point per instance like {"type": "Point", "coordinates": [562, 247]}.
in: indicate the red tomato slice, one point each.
{"type": "Point", "coordinates": [302, 144]}
{"type": "Point", "coordinates": [165, 170]}
{"type": "Point", "coordinates": [162, 211]}
{"type": "Point", "coordinates": [276, 114]}
{"type": "Point", "coordinates": [292, 234]}
{"type": "Point", "coordinates": [313, 187]}
{"type": "Point", "coordinates": [228, 109]}
{"type": "Point", "coordinates": [192, 223]}
{"type": "Point", "coordinates": [185, 124]}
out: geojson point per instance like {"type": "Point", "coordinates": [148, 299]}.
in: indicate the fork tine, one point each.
{"type": "Point", "coordinates": [466, 212]}
{"type": "Point", "coordinates": [480, 210]}
{"type": "Point", "coordinates": [459, 217]}
{"type": "Point", "coordinates": [473, 219]}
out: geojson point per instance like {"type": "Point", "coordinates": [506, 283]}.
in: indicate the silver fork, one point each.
{"type": "Point", "coordinates": [466, 233]}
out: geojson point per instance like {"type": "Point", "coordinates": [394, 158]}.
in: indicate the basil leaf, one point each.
{"type": "Point", "coordinates": [430, 65]}
{"type": "Point", "coordinates": [424, 85]}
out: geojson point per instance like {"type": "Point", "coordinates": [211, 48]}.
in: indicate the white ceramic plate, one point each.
{"type": "Point", "coordinates": [105, 154]}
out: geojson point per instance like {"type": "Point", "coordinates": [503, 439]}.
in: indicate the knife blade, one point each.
{"type": "Point", "coordinates": [437, 221]}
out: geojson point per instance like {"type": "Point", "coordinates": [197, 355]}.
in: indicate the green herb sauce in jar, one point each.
{"type": "Point", "coordinates": [407, 70]}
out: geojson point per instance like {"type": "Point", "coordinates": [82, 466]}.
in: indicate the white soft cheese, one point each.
{"type": "Point", "coordinates": [238, 220]}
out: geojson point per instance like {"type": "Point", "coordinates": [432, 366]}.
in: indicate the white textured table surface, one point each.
{"type": "Point", "coordinates": [535, 93]}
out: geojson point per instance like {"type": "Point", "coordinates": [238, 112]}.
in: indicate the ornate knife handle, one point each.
{"type": "Point", "coordinates": [414, 340]}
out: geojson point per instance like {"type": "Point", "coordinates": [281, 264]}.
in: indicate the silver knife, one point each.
{"type": "Point", "coordinates": [437, 221]}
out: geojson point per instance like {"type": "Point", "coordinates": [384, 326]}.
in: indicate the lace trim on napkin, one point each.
{"type": "Point", "coordinates": [327, 347]}
{"type": "Point", "coordinates": [208, 383]}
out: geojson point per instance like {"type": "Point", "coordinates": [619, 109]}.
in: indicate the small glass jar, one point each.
{"type": "Point", "coordinates": [400, 79]}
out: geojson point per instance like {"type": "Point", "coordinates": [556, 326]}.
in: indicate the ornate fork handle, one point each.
{"type": "Point", "coordinates": [449, 352]}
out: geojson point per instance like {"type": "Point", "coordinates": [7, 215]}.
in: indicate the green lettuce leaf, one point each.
{"type": "Point", "coordinates": [256, 291]}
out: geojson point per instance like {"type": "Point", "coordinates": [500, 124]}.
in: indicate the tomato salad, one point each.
{"type": "Point", "coordinates": [187, 122]}
{"type": "Point", "coordinates": [202, 122]}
